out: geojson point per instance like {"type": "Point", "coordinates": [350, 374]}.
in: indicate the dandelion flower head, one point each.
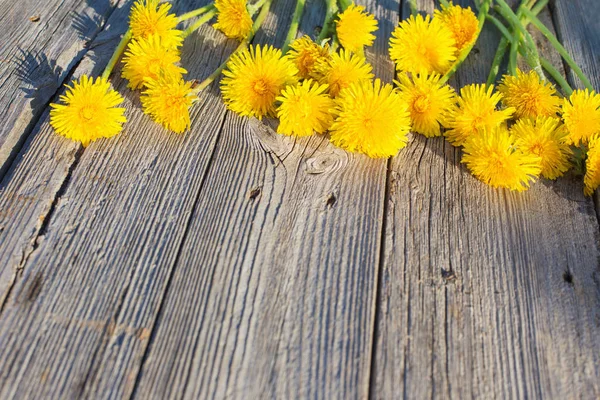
{"type": "Point", "coordinates": [493, 158]}
{"type": "Point", "coordinates": [305, 108]}
{"type": "Point", "coordinates": [355, 28]}
{"type": "Point", "coordinates": [428, 101]}
{"type": "Point", "coordinates": [233, 18]}
{"type": "Point", "coordinates": [581, 115]}
{"type": "Point", "coordinates": [462, 22]}
{"type": "Point", "coordinates": [148, 58]}
{"type": "Point", "coordinates": [544, 137]}
{"type": "Point", "coordinates": [254, 77]}
{"type": "Point", "coordinates": [344, 69]}
{"type": "Point", "coordinates": [422, 44]}
{"type": "Point", "coordinates": [307, 56]}
{"type": "Point", "coordinates": [168, 100]}
{"type": "Point", "coordinates": [88, 111]}
{"type": "Point", "coordinates": [591, 179]}
{"type": "Point", "coordinates": [529, 95]}
{"type": "Point", "coordinates": [148, 17]}
{"type": "Point", "coordinates": [475, 112]}
{"type": "Point", "coordinates": [371, 118]}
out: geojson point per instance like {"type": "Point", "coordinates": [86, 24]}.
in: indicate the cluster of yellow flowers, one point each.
{"type": "Point", "coordinates": [509, 136]}
{"type": "Point", "coordinates": [150, 63]}
{"type": "Point", "coordinates": [312, 89]}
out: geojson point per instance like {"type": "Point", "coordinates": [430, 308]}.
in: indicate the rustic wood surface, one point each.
{"type": "Point", "coordinates": [232, 262]}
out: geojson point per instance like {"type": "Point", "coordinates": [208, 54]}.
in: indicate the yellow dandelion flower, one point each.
{"type": "Point", "coordinates": [149, 18]}
{"type": "Point", "coordinates": [148, 58]}
{"type": "Point", "coordinates": [371, 118]}
{"type": "Point", "coordinates": [428, 101]}
{"type": "Point", "coordinates": [343, 69]}
{"type": "Point", "coordinates": [475, 112]}
{"type": "Point", "coordinates": [305, 108]}
{"type": "Point", "coordinates": [421, 44]}
{"type": "Point", "coordinates": [307, 55]}
{"type": "Point", "coordinates": [168, 100]}
{"type": "Point", "coordinates": [88, 111]}
{"type": "Point", "coordinates": [493, 158]}
{"type": "Point", "coordinates": [233, 18]}
{"type": "Point", "coordinates": [591, 179]}
{"type": "Point", "coordinates": [529, 95]}
{"type": "Point", "coordinates": [254, 78]}
{"type": "Point", "coordinates": [544, 137]}
{"type": "Point", "coordinates": [462, 22]}
{"type": "Point", "coordinates": [581, 114]}
{"type": "Point", "coordinates": [354, 28]}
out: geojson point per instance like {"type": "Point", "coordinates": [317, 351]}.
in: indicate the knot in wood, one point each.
{"type": "Point", "coordinates": [322, 163]}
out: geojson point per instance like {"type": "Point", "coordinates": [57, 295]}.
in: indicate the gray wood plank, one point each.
{"type": "Point", "coordinates": [273, 295]}
{"type": "Point", "coordinates": [36, 57]}
{"type": "Point", "coordinates": [485, 293]}
{"type": "Point", "coordinates": [578, 29]}
{"type": "Point", "coordinates": [116, 227]}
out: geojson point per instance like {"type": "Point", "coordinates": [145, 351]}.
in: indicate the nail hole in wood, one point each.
{"type": "Point", "coordinates": [475, 50]}
{"type": "Point", "coordinates": [568, 277]}
{"type": "Point", "coordinates": [331, 200]}
{"type": "Point", "coordinates": [35, 288]}
{"type": "Point", "coordinates": [448, 275]}
{"type": "Point", "coordinates": [254, 193]}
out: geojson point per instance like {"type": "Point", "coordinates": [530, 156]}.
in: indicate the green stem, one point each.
{"type": "Point", "coordinates": [293, 31]}
{"type": "Point", "coordinates": [485, 7]}
{"type": "Point", "coordinates": [413, 7]}
{"type": "Point", "coordinates": [347, 3]}
{"type": "Point", "coordinates": [500, 26]}
{"type": "Point", "coordinates": [547, 65]}
{"type": "Point", "coordinates": [253, 8]}
{"type": "Point", "coordinates": [201, 21]}
{"type": "Point", "coordinates": [507, 38]}
{"type": "Point", "coordinates": [512, 56]}
{"type": "Point", "coordinates": [531, 4]}
{"type": "Point", "coordinates": [328, 22]}
{"type": "Point", "coordinates": [539, 7]}
{"type": "Point", "coordinates": [531, 53]}
{"type": "Point", "coordinates": [444, 3]}
{"type": "Point", "coordinates": [257, 24]}
{"type": "Point", "coordinates": [117, 54]}
{"type": "Point", "coordinates": [196, 12]}
{"type": "Point", "coordinates": [335, 43]}
{"type": "Point", "coordinates": [557, 76]}
{"type": "Point", "coordinates": [516, 41]}
{"type": "Point", "coordinates": [502, 47]}
{"type": "Point", "coordinates": [559, 47]}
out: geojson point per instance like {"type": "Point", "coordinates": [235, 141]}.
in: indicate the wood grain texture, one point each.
{"type": "Point", "coordinates": [485, 293]}
{"type": "Point", "coordinates": [578, 29]}
{"type": "Point", "coordinates": [28, 189]}
{"type": "Point", "coordinates": [232, 262]}
{"type": "Point", "coordinates": [113, 235]}
{"type": "Point", "coordinates": [273, 296]}
{"type": "Point", "coordinates": [41, 43]}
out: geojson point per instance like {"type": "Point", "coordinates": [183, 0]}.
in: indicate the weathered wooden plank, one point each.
{"type": "Point", "coordinates": [37, 61]}
{"type": "Point", "coordinates": [578, 29]}
{"type": "Point", "coordinates": [41, 43]}
{"type": "Point", "coordinates": [273, 294]}
{"type": "Point", "coordinates": [485, 293]}
{"type": "Point", "coordinates": [116, 227]}
{"type": "Point", "coordinates": [35, 58]}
